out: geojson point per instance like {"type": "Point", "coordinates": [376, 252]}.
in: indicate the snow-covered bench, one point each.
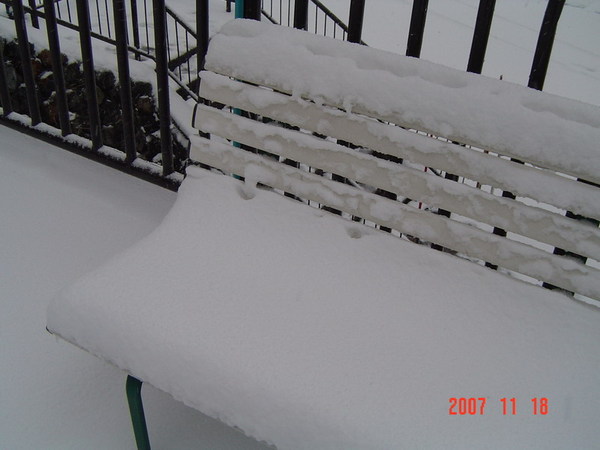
{"type": "Point", "coordinates": [311, 331]}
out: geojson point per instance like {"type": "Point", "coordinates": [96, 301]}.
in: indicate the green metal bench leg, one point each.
{"type": "Point", "coordinates": [133, 387]}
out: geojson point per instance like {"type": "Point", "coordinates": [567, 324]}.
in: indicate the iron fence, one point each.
{"type": "Point", "coordinates": [108, 22]}
{"type": "Point", "coordinates": [148, 29]}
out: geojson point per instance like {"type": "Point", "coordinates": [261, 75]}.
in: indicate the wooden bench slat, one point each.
{"type": "Point", "coordinates": [470, 241]}
{"type": "Point", "coordinates": [521, 180]}
{"type": "Point", "coordinates": [543, 226]}
{"type": "Point", "coordinates": [502, 117]}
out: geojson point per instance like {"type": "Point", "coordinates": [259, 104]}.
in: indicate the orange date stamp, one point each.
{"type": "Point", "coordinates": [476, 406]}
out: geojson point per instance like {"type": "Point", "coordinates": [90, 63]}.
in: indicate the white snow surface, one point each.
{"type": "Point", "coordinates": [501, 116]}
{"type": "Point", "coordinates": [574, 69]}
{"type": "Point", "coordinates": [62, 216]}
{"type": "Point", "coordinates": [312, 332]}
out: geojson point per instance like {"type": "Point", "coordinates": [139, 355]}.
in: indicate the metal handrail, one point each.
{"type": "Point", "coordinates": [319, 6]}
{"type": "Point", "coordinates": [330, 14]}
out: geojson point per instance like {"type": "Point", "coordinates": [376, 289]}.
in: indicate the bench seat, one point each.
{"type": "Point", "coordinates": [309, 331]}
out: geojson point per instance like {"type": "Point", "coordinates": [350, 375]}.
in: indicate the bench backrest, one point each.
{"type": "Point", "coordinates": [402, 143]}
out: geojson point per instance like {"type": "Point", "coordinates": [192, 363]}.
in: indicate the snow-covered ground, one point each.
{"type": "Point", "coordinates": [63, 215]}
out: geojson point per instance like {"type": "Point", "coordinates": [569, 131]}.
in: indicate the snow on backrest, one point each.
{"type": "Point", "coordinates": [355, 148]}
{"type": "Point", "coordinates": [512, 120]}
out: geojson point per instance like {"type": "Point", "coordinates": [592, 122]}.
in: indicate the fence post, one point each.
{"type": "Point", "coordinates": [301, 14]}
{"type": "Point", "coordinates": [57, 67]}
{"type": "Point", "coordinates": [124, 79]}
{"type": "Point", "coordinates": [481, 34]}
{"type": "Point", "coordinates": [478, 47]}
{"type": "Point", "coordinates": [4, 92]}
{"type": "Point", "coordinates": [30, 88]}
{"type": "Point", "coordinates": [417, 28]}
{"type": "Point", "coordinates": [543, 49]}
{"type": "Point", "coordinates": [252, 9]}
{"type": "Point", "coordinates": [202, 31]}
{"type": "Point", "coordinates": [485, 14]}
{"type": "Point", "coordinates": [85, 41]}
{"type": "Point", "coordinates": [355, 20]}
{"type": "Point", "coordinates": [162, 78]}
{"type": "Point", "coordinates": [539, 68]}
{"type": "Point", "coordinates": [135, 28]}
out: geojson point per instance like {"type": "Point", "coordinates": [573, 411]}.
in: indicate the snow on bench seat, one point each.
{"type": "Point", "coordinates": [312, 332]}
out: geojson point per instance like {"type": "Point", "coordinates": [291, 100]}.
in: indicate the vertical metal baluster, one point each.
{"type": "Point", "coordinates": [543, 49]}
{"type": "Point", "coordinates": [146, 25]}
{"type": "Point", "coordinates": [107, 18]}
{"type": "Point", "coordinates": [68, 10]}
{"type": "Point", "coordinates": [417, 28]}
{"type": "Point", "coordinates": [57, 67]}
{"type": "Point", "coordinates": [541, 60]}
{"type": "Point", "coordinates": [120, 17]}
{"type": "Point", "coordinates": [252, 10]}
{"type": "Point", "coordinates": [355, 20]}
{"type": "Point", "coordinates": [167, 39]}
{"type": "Point", "coordinates": [202, 31]}
{"type": "Point", "coordinates": [301, 14]}
{"type": "Point", "coordinates": [135, 28]}
{"type": "Point", "coordinates": [162, 76]}
{"type": "Point", "coordinates": [177, 46]}
{"type": "Point", "coordinates": [483, 24]}
{"type": "Point", "coordinates": [23, 40]}
{"type": "Point", "coordinates": [34, 18]}
{"type": "Point", "coordinates": [187, 49]}
{"type": "Point", "coordinates": [4, 92]}
{"type": "Point", "coordinates": [59, 12]}
{"type": "Point", "coordinates": [98, 16]}
{"type": "Point", "coordinates": [481, 34]}
{"type": "Point", "coordinates": [85, 39]}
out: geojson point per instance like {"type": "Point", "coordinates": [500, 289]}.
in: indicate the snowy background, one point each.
{"type": "Point", "coordinates": [63, 215]}
{"type": "Point", "coordinates": [574, 69]}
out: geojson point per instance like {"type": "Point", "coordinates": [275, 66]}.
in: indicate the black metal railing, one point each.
{"type": "Point", "coordinates": [182, 45]}
{"type": "Point", "coordinates": [310, 15]}
{"type": "Point", "coordinates": [107, 21]}
{"type": "Point", "coordinates": [180, 37]}
{"type": "Point", "coordinates": [178, 50]}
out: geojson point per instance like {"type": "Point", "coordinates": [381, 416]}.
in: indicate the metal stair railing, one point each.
{"type": "Point", "coordinates": [321, 20]}
{"type": "Point", "coordinates": [101, 26]}
{"type": "Point", "coordinates": [181, 37]}
{"type": "Point", "coordinates": [183, 54]}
